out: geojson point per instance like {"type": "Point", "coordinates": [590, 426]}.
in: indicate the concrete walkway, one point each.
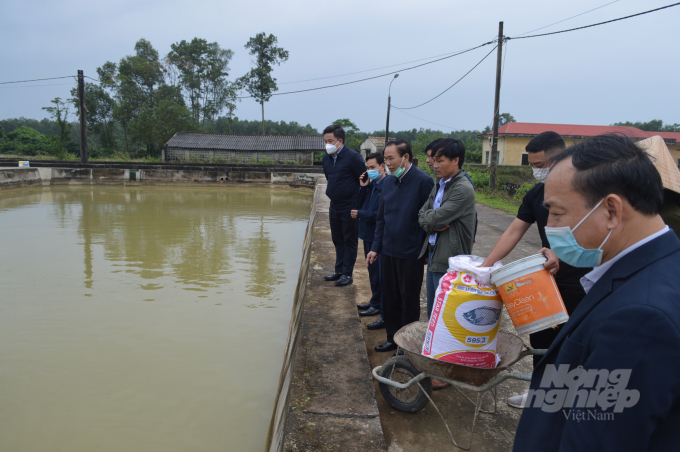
{"type": "Point", "coordinates": [424, 431]}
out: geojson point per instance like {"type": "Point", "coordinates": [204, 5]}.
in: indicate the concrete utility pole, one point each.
{"type": "Point", "coordinates": [496, 110]}
{"type": "Point", "coordinates": [389, 102]}
{"type": "Point", "coordinates": [83, 118]}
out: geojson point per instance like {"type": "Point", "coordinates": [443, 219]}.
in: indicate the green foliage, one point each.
{"type": "Point", "coordinates": [522, 190]}
{"type": "Point", "coordinates": [259, 82]}
{"type": "Point", "coordinates": [479, 180]}
{"type": "Point", "coordinates": [353, 137]}
{"type": "Point", "coordinates": [655, 125]}
{"type": "Point", "coordinates": [245, 127]}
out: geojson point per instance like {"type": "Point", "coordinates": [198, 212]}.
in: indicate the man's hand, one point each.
{"type": "Point", "coordinates": [361, 180]}
{"type": "Point", "coordinates": [371, 257]}
{"type": "Point", "coordinates": [442, 229]}
{"type": "Point", "coordinates": [354, 213]}
{"type": "Point", "coordinates": [553, 262]}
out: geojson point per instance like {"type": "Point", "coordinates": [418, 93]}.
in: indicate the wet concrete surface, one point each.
{"type": "Point", "coordinates": [424, 431]}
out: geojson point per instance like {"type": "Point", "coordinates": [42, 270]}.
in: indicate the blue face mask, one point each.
{"type": "Point", "coordinates": [373, 174]}
{"type": "Point", "coordinates": [564, 245]}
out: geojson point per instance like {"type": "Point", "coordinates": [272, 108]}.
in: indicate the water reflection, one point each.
{"type": "Point", "coordinates": [125, 315]}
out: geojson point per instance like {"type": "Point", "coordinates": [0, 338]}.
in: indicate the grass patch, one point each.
{"type": "Point", "coordinates": [498, 200]}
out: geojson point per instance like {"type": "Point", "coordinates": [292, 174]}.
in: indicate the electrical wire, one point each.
{"type": "Point", "coordinates": [35, 86]}
{"type": "Point", "coordinates": [595, 25]}
{"type": "Point", "coordinates": [466, 74]}
{"type": "Point", "coordinates": [376, 76]}
{"type": "Point", "coordinates": [437, 124]}
{"type": "Point", "coordinates": [568, 18]}
{"type": "Point", "coordinates": [370, 70]}
{"type": "Point", "coordinates": [36, 80]}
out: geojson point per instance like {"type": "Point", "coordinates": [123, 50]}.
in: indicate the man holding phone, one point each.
{"type": "Point", "coordinates": [369, 199]}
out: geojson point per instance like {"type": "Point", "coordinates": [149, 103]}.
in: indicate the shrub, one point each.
{"type": "Point", "coordinates": [479, 179]}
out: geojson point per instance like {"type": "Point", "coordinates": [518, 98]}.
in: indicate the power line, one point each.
{"type": "Point", "coordinates": [437, 124]}
{"type": "Point", "coordinates": [36, 80]}
{"type": "Point", "coordinates": [35, 86]}
{"type": "Point", "coordinates": [466, 74]}
{"type": "Point", "coordinates": [376, 76]}
{"type": "Point", "coordinates": [568, 18]}
{"type": "Point", "coordinates": [370, 70]}
{"type": "Point", "coordinates": [95, 79]}
{"type": "Point", "coordinates": [595, 25]}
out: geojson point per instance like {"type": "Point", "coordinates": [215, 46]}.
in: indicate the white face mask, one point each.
{"type": "Point", "coordinates": [331, 148]}
{"type": "Point", "coordinates": [541, 174]}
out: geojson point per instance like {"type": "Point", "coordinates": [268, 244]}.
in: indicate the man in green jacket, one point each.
{"type": "Point", "coordinates": [448, 216]}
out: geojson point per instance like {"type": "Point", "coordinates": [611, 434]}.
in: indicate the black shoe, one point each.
{"type": "Point", "coordinates": [364, 306]}
{"type": "Point", "coordinates": [377, 325]}
{"type": "Point", "coordinates": [333, 277]}
{"type": "Point", "coordinates": [386, 347]}
{"type": "Point", "coordinates": [399, 352]}
{"type": "Point", "coordinates": [370, 312]}
{"type": "Point", "coordinates": [344, 281]}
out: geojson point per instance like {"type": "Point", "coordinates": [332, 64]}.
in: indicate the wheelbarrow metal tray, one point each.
{"type": "Point", "coordinates": [410, 338]}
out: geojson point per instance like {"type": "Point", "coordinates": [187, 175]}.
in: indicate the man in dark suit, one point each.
{"type": "Point", "coordinates": [342, 167]}
{"type": "Point", "coordinates": [369, 200]}
{"type": "Point", "coordinates": [609, 381]}
{"type": "Point", "coordinates": [399, 237]}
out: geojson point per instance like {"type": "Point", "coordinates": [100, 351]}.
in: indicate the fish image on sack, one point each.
{"type": "Point", "coordinates": [466, 316]}
{"type": "Point", "coordinates": [483, 316]}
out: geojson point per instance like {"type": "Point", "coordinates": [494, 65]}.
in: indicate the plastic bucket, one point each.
{"type": "Point", "coordinates": [530, 294]}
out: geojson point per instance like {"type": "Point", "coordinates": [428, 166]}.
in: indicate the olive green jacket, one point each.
{"type": "Point", "coordinates": [457, 210]}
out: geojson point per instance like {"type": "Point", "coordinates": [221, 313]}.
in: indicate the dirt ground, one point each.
{"type": "Point", "coordinates": [424, 431]}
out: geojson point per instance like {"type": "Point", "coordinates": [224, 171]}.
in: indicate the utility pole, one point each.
{"type": "Point", "coordinates": [496, 110]}
{"type": "Point", "coordinates": [83, 118]}
{"type": "Point", "coordinates": [389, 102]}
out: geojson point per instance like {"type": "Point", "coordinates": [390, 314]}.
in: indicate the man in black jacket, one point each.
{"type": "Point", "coordinates": [399, 238]}
{"type": "Point", "coordinates": [369, 200]}
{"type": "Point", "coordinates": [342, 167]}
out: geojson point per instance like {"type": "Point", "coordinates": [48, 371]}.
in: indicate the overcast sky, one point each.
{"type": "Point", "coordinates": [624, 71]}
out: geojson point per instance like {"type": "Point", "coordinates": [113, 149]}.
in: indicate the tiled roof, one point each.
{"type": "Point", "coordinates": [218, 141]}
{"type": "Point", "coordinates": [379, 141]}
{"type": "Point", "coordinates": [575, 130]}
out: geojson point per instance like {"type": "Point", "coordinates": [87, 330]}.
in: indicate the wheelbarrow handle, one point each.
{"type": "Point", "coordinates": [393, 383]}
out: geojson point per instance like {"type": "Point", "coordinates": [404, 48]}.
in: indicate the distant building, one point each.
{"type": "Point", "coordinates": [372, 144]}
{"type": "Point", "coordinates": [514, 136]}
{"type": "Point", "coordinates": [217, 147]}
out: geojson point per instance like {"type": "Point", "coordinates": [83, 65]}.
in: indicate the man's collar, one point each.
{"type": "Point", "coordinates": [599, 271]}
{"type": "Point", "coordinates": [404, 179]}
{"type": "Point", "coordinates": [337, 154]}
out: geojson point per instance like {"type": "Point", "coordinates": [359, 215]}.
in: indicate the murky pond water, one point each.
{"type": "Point", "coordinates": [144, 319]}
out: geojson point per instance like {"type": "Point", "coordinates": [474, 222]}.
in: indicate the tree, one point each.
{"type": "Point", "coordinates": [202, 74]}
{"type": "Point", "coordinates": [259, 82]}
{"type": "Point", "coordinates": [99, 109]}
{"type": "Point", "coordinates": [655, 125]}
{"type": "Point", "coordinates": [505, 118]}
{"type": "Point", "coordinates": [158, 123]}
{"type": "Point", "coordinates": [353, 137]}
{"type": "Point", "coordinates": [59, 114]}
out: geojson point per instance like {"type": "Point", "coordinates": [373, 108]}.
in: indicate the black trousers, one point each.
{"type": "Point", "coordinates": [345, 236]}
{"type": "Point", "coordinates": [374, 277]}
{"type": "Point", "coordinates": [402, 282]}
{"type": "Point", "coordinates": [571, 296]}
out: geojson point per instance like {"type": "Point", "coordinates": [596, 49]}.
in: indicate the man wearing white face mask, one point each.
{"type": "Point", "coordinates": [604, 196]}
{"type": "Point", "coordinates": [342, 167]}
{"type": "Point", "coordinates": [540, 149]}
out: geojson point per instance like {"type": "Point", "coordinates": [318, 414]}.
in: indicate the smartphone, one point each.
{"type": "Point", "coordinates": [364, 177]}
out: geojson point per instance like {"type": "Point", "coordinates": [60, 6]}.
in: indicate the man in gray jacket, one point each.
{"type": "Point", "coordinates": [448, 216]}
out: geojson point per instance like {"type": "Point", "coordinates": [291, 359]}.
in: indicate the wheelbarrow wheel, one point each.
{"type": "Point", "coordinates": [400, 370]}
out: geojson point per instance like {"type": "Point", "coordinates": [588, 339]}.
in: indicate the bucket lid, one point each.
{"type": "Point", "coordinates": [517, 266]}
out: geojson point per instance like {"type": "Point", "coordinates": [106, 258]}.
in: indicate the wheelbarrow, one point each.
{"type": "Point", "coordinates": [406, 381]}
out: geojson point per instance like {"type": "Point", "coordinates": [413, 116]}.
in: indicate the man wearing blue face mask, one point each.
{"type": "Point", "coordinates": [369, 199]}
{"type": "Point", "coordinates": [619, 353]}
{"type": "Point", "coordinates": [342, 167]}
{"type": "Point", "coordinates": [540, 149]}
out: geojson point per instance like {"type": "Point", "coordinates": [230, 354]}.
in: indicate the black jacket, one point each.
{"type": "Point", "coordinates": [369, 201]}
{"type": "Point", "coordinates": [343, 177]}
{"type": "Point", "coordinates": [397, 232]}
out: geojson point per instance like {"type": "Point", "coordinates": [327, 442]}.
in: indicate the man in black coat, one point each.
{"type": "Point", "coordinates": [609, 381]}
{"type": "Point", "coordinates": [399, 237]}
{"type": "Point", "coordinates": [342, 167]}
